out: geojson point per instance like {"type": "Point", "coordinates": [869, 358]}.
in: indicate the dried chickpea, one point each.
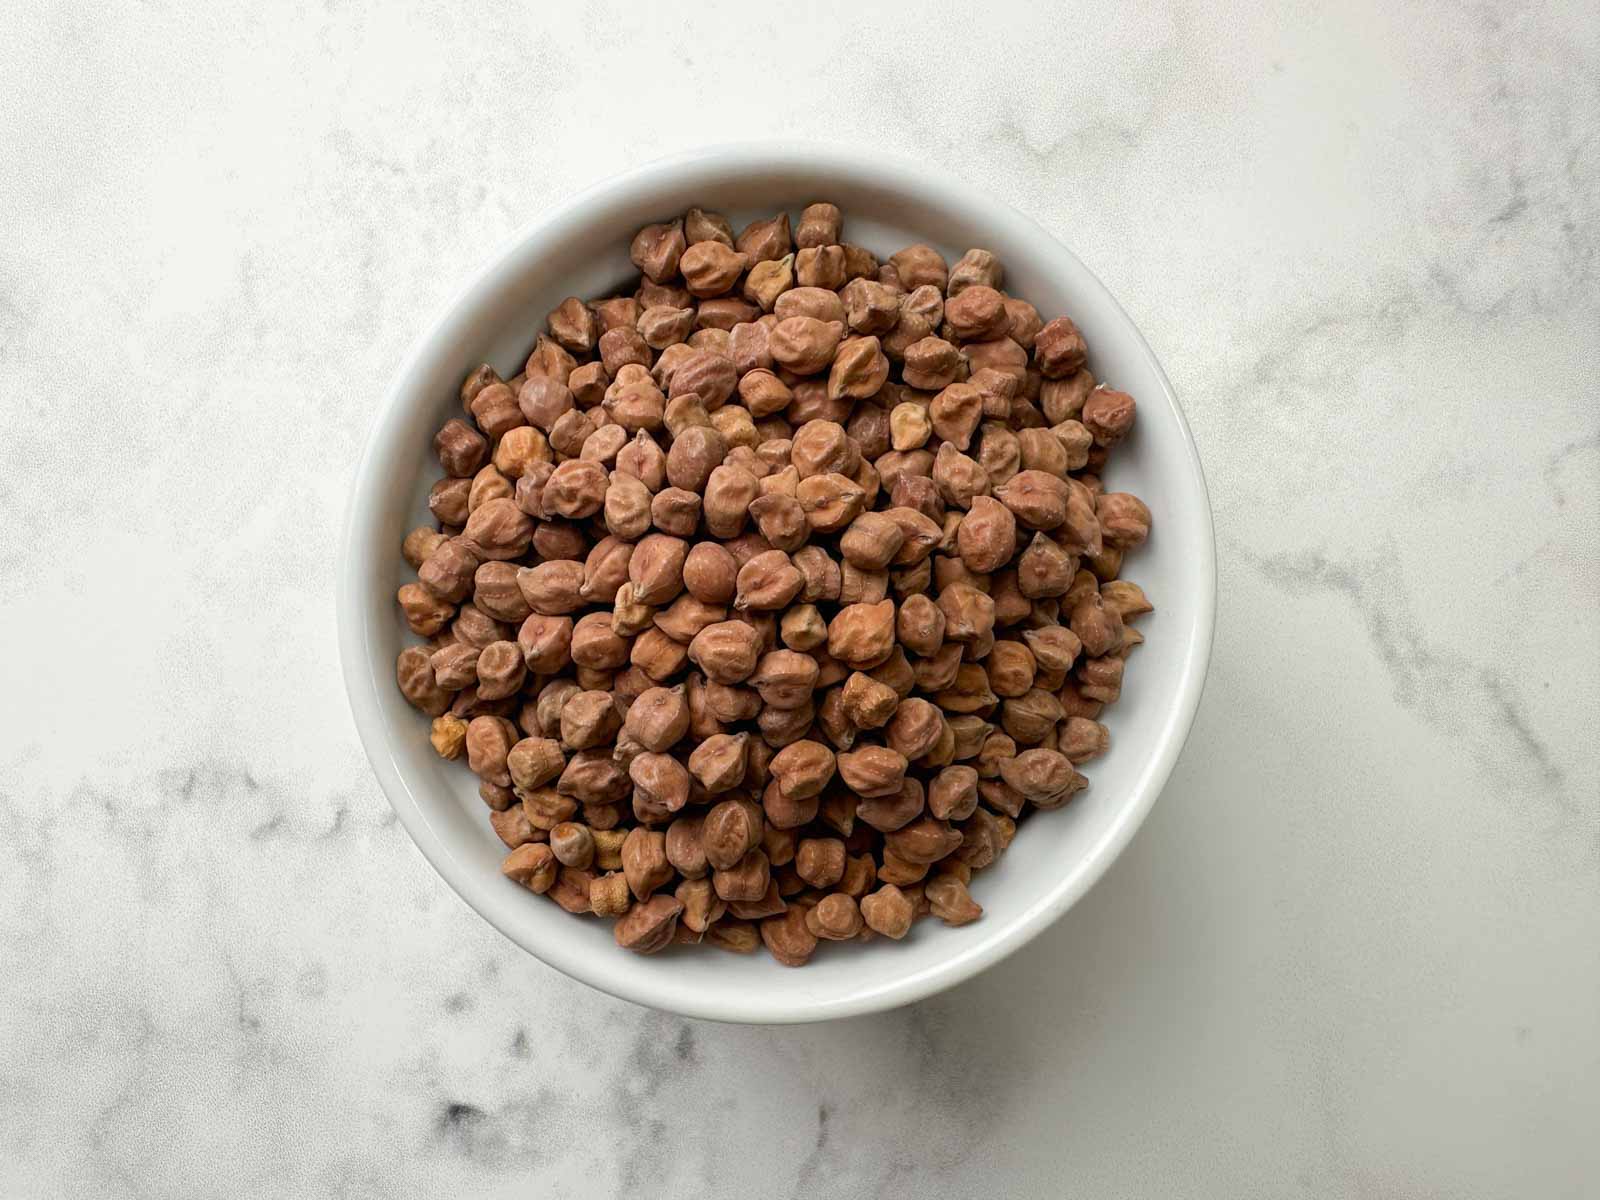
{"type": "Point", "coordinates": [835, 917]}
{"type": "Point", "coordinates": [533, 865]}
{"type": "Point", "coordinates": [888, 911]}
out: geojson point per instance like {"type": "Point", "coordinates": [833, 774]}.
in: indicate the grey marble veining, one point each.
{"type": "Point", "coordinates": [1354, 952]}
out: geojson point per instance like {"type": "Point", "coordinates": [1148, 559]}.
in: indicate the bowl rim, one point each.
{"type": "Point", "coordinates": [363, 678]}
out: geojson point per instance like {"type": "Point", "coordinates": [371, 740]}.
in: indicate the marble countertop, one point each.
{"type": "Point", "coordinates": [1354, 952]}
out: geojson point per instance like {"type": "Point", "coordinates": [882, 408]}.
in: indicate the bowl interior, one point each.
{"type": "Point", "coordinates": [582, 250]}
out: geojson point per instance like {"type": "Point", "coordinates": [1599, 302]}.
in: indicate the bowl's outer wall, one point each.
{"type": "Point", "coordinates": [581, 250]}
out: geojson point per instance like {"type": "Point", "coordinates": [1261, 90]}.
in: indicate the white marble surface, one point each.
{"type": "Point", "coordinates": [1354, 952]}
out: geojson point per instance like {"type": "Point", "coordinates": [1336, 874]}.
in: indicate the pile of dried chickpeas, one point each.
{"type": "Point", "coordinates": [770, 595]}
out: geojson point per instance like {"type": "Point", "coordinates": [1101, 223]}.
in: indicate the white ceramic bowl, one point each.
{"type": "Point", "coordinates": [581, 249]}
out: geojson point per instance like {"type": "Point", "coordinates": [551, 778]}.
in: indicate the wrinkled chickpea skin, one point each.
{"type": "Point", "coordinates": [769, 596]}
